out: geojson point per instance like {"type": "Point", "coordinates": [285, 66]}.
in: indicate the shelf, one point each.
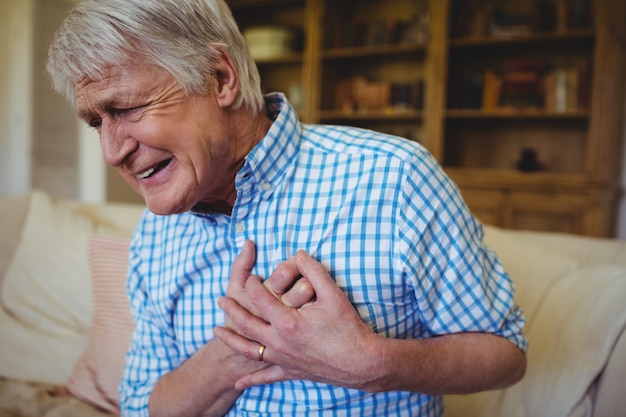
{"type": "Point", "coordinates": [512, 179]}
{"type": "Point", "coordinates": [286, 59]}
{"type": "Point", "coordinates": [383, 115]}
{"type": "Point", "coordinates": [520, 114]}
{"type": "Point", "coordinates": [370, 51]}
{"type": "Point", "coordinates": [581, 35]}
{"type": "Point", "coordinates": [241, 5]}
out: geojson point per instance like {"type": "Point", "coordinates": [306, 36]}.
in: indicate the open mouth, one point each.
{"type": "Point", "coordinates": [151, 171]}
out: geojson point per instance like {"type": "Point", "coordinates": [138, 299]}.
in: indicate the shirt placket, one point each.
{"type": "Point", "coordinates": [240, 226]}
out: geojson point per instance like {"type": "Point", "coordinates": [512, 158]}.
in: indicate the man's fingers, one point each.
{"type": "Point", "coordinates": [242, 265]}
{"type": "Point", "coordinates": [283, 277]}
{"type": "Point", "coordinates": [249, 325]}
{"type": "Point", "coordinates": [269, 307]}
{"type": "Point", "coordinates": [317, 276]}
{"type": "Point", "coordinates": [246, 347]}
{"type": "Point", "coordinates": [268, 375]}
{"type": "Point", "coordinates": [299, 294]}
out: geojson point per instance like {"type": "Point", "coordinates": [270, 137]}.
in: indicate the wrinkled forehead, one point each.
{"type": "Point", "coordinates": [123, 86]}
{"type": "Point", "coordinates": [95, 93]}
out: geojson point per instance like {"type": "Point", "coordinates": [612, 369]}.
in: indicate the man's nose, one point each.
{"type": "Point", "coordinates": [116, 143]}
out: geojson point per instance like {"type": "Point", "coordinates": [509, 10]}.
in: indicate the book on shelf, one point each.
{"type": "Point", "coordinates": [515, 84]}
{"type": "Point", "coordinates": [350, 32]}
{"type": "Point", "coordinates": [562, 15]}
{"type": "Point", "coordinates": [581, 14]}
{"type": "Point", "coordinates": [522, 84]}
{"type": "Point", "coordinates": [545, 16]}
{"type": "Point", "coordinates": [358, 94]}
{"type": "Point", "coordinates": [573, 14]}
{"type": "Point", "coordinates": [504, 24]}
{"type": "Point", "coordinates": [568, 88]}
{"type": "Point", "coordinates": [470, 20]}
{"type": "Point", "coordinates": [479, 21]}
{"type": "Point", "coordinates": [492, 88]}
{"type": "Point", "coordinates": [466, 89]}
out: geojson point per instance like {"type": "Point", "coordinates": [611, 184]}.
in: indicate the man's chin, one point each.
{"type": "Point", "coordinates": [163, 208]}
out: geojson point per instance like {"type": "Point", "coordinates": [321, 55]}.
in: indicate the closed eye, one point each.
{"type": "Point", "coordinates": [95, 121]}
{"type": "Point", "coordinates": [124, 110]}
{"type": "Point", "coordinates": [127, 111]}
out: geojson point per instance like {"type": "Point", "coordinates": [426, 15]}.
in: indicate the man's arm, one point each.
{"type": "Point", "coordinates": [203, 385]}
{"type": "Point", "coordinates": [326, 341]}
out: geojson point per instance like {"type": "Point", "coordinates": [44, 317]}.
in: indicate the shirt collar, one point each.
{"type": "Point", "coordinates": [273, 155]}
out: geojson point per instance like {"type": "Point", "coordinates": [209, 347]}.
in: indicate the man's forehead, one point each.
{"type": "Point", "coordinates": [116, 84]}
{"type": "Point", "coordinates": [97, 94]}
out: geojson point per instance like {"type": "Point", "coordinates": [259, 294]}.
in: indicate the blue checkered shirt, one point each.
{"type": "Point", "coordinates": [376, 210]}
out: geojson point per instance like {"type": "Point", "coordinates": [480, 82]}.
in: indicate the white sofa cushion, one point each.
{"type": "Point", "coordinates": [12, 215]}
{"type": "Point", "coordinates": [574, 314]}
{"type": "Point", "coordinates": [46, 284]}
{"type": "Point", "coordinates": [578, 324]}
{"type": "Point", "coordinates": [46, 295]}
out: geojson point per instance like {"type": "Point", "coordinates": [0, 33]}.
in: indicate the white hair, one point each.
{"type": "Point", "coordinates": [183, 37]}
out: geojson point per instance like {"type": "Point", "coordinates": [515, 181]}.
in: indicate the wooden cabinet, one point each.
{"type": "Point", "coordinates": [521, 101]}
{"type": "Point", "coordinates": [528, 117]}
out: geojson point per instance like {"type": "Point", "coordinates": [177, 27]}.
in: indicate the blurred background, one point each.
{"type": "Point", "coordinates": [426, 70]}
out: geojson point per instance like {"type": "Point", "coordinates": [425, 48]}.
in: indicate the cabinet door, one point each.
{"type": "Point", "coordinates": [534, 108]}
{"type": "Point", "coordinates": [586, 213]}
{"type": "Point", "coordinates": [541, 212]}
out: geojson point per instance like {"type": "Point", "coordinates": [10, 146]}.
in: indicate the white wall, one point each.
{"type": "Point", "coordinates": [41, 142]}
{"type": "Point", "coordinates": [92, 170]}
{"type": "Point", "coordinates": [16, 52]}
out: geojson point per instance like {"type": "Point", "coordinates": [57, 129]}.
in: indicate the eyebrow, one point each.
{"type": "Point", "coordinates": [111, 101]}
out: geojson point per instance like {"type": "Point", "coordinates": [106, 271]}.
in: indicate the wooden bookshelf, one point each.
{"type": "Point", "coordinates": [524, 160]}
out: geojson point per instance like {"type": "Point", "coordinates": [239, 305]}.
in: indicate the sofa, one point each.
{"type": "Point", "coordinates": [65, 325]}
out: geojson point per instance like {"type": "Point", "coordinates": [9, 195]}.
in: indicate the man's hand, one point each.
{"type": "Point", "coordinates": [285, 283]}
{"type": "Point", "coordinates": [323, 340]}
{"type": "Point", "coordinates": [204, 384]}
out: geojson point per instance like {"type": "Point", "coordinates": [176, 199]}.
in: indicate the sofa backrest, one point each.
{"type": "Point", "coordinates": [14, 210]}
{"type": "Point", "coordinates": [12, 216]}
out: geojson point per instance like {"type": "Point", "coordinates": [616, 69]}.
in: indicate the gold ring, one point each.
{"type": "Point", "coordinates": [261, 351]}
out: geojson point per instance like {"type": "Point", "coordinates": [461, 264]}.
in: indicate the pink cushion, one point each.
{"type": "Point", "coordinates": [96, 376]}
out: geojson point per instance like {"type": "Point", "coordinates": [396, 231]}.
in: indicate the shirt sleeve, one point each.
{"type": "Point", "coordinates": [460, 283]}
{"type": "Point", "coordinates": [153, 351]}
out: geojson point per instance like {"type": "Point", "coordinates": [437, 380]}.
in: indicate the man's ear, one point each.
{"type": "Point", "coordinates": [226, 87]}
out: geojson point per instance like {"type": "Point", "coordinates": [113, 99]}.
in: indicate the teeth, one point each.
{"type": "Point", "coordinates": [150, 171]}
{"type": "Point", "coordinates": [146, 173]}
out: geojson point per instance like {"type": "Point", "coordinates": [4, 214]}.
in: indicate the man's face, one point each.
{"type": "Point", "coordinates": [173, 149]}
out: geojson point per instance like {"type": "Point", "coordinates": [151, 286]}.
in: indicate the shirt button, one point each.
{"type": "Point", "coordinates": [240, 227]}
{"type": "Point", "coordinates": [266, 186]}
